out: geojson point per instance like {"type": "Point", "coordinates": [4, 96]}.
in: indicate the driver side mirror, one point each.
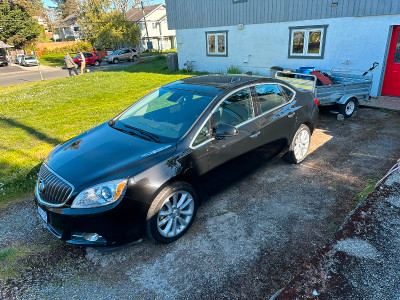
{"type": "Point", "coordinates": [225, 130]}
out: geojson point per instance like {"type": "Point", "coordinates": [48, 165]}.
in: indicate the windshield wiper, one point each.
{"type": "Point", "coordinates": [152, 136]}
{"type": "Point", "coordinates": [133, 133]}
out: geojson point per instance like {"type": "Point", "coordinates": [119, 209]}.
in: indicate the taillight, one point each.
{"type": "Point", "coordinates": [316, 101]}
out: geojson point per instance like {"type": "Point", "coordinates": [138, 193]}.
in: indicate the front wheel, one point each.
{"type": "Point", "coordinates": [299, 147]}
{"type": "Point", "coordinates": [172, 213]}
{"type": "Point", "coordinates": [115, 60]}
{"type": "Point", "coordinates": [134, 58]}
{"type": "Point", "coordinates": [347, 109]}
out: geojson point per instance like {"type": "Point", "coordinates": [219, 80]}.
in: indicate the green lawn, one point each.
{"type": "Point", "coordinates": [53, 60]}
{"type": "Point", "coordinates": [34, 117]}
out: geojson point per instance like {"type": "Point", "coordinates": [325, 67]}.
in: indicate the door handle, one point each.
{"type": "Point", "coordinates": [253, 136]}
{"type": "Point", "coordinates": [290, 115]}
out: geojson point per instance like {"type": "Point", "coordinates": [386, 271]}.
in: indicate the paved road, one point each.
{"type": "Point", "coordinates": [17, 74]}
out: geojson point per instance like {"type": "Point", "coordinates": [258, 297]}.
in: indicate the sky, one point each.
{"type": "Point", "coordinates": [48, 3]}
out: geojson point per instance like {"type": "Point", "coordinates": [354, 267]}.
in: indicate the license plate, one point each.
{"type": "Point", "coordinates": [42, 214]}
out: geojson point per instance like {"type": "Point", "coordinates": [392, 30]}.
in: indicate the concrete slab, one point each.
{"type": "Point", "coordinates": [384, 102]}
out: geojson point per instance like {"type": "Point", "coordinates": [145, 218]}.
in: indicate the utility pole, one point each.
{"type": "Point", "coordinates": [145, 24]}
{"type": "Point", "coordinates": [40, 71]}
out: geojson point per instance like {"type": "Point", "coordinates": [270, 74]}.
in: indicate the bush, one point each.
{"type": "Point", "coordinates": [62, 47]}
{"type": "Point", "coordinates": [233, 70]}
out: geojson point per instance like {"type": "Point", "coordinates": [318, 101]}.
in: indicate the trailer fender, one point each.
{"type": "Point", "coordinates": [345, 98]}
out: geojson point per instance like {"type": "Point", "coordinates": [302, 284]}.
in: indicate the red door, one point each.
{"type": "Point", "coordinates": [391, 82]}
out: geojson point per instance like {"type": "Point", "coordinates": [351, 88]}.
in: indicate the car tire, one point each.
{"type": "Point", "coordinates": [96, 63]}
{"type": "Point", "coordinates": [299, 147]}
{"type": "Point", "coordinates": [175, 204]}
{"type": "Point", "coordinates": [348, 108]}
{"type": "Point", "coordinates": [115, 60]}
{"type": "Point", "coordinates": [134, 58]}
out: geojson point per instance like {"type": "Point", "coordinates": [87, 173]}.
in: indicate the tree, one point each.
{"type": "Point", "coordinates": [18, 28]}
{"type": "Point", "coordinates": [105, 26]}
{"type": "Point", "coordinates": [32, 7]}
{"type": "Point", "coordinates": [66, 7]}
{"type": "Point", "coordinates": [116, 32]}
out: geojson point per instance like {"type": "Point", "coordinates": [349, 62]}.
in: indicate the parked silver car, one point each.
{"type": "Point", "coordinates": [28, 61]}
{"type": "Point", "coordinates": [121, 55]}
{"type": "Point", "coordinates": [18, 58]}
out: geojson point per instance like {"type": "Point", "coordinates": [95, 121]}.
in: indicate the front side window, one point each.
{"type": "Point", "coordinates": [270, 97]}
{"type": "Point", "coordinates": [217, 43]}
{"type": "Point", "coordinates": [204, 134]}
{"type": "Point", "coordinates": [307, 42]}
{"type": "Point", "coordinates": [235, 110]}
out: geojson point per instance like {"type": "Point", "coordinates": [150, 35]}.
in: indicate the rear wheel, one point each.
{"type": "Point", "coordinates": [172, 213]}
{"type": "Point", "coordinates": [348, 109]}
{"type": "Point", "coordinates": [299, 147]}
{"type": "Point", "coordinates": [97, 63]}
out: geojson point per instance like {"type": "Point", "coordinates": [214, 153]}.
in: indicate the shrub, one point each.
{"type": "Point", "coordinates": [233, 70]}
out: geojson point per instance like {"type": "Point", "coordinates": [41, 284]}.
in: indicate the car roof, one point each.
{"type": "Point", "coordinates": [217, 84]}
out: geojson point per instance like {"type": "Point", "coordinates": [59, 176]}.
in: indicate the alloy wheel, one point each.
{"type": "Point", "coordinates": [302, 143]}
{"type": "Point", "coordinates": [175, 214]}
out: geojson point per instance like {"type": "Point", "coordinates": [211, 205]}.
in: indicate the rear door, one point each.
{"type": "Point", "coordinates": [278, 114]}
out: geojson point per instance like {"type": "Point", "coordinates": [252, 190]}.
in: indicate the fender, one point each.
{"type": "Point", "coordinates": [344, 98]}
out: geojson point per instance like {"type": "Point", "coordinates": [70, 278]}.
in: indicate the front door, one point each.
{"type": "Point", "coordinates": [237, 110]}
{"type": "Point", "coordinates": [391, 82]}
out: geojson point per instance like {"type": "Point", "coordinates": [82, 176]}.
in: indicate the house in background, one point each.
{"type": "Point", "coordinates": [68, 29]}
{"type": "Point", "coordinates": [254, 35]}
{"type": "Point", "coordinates": [159, 35]}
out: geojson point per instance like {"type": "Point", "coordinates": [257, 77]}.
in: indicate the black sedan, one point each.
{"type": "Point", "coordinates": [143, 171]}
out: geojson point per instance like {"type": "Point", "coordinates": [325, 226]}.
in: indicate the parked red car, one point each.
{"type": "Point", "coordinates": [91, 58]}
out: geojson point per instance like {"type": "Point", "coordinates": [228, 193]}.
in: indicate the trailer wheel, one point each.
{"type": "Point", "coordinates": [348, 108]}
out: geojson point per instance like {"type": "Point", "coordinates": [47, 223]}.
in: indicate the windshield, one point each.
{"type": "Point", "coordinates": [164, 115]}
{"type": "Point", "coordinates": [115, 52]}
{"type": "Point", "coordinates": [76, 56]}
{"type": "Point", "coordinates": [29, 57]}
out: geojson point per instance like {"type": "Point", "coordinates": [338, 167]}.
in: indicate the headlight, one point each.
{"type": "Point", "coordinates": [101, 194]}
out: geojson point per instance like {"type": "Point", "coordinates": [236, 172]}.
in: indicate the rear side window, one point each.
{"type": "Point", "coordinates": [270, 97]}
{"type": "Point", "coordinates": [235, 110]}
{"type": "Point", "coordinates": [289, 93]}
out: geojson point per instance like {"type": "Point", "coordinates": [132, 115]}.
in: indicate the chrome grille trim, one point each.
{"type": "Point", "coordinates": [59, 190]}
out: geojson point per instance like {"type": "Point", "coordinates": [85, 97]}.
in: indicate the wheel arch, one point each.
{"type": "Point", "coordinates": [344, 99]}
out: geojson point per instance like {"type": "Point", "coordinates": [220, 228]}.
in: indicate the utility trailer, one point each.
{"type": "Point", "coordinates": [345, 92]}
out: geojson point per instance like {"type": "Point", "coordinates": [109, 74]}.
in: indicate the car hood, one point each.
{"type": "Point", "coordinates": [102, 154]}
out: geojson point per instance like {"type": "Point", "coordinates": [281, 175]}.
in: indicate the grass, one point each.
{"type": "Point", "coordinates": [53, 59]}
{"type": "Point", "coordinates": [35, 117]}
{"type": "Point", "coordinates": [143, 54]}
{"type": "Point", "coordinates": [369, 188]}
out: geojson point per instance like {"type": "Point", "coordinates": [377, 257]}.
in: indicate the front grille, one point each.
{"type": "Point", "coordinates": [51, 188]}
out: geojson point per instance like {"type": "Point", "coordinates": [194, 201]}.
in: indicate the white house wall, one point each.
{"type": "Point", "coordinates": [353, 43]}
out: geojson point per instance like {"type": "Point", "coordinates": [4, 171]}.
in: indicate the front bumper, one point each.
{"type": "Point", "coordinates": [114, 224]}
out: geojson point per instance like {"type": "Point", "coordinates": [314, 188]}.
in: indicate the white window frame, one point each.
{"type": "Point", "coordinates": [307, 30]}
{"type": "Point", "coordinates": [216, 34]}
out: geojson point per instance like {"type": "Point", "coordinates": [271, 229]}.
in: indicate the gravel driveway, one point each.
{"type": "Point", "coordinates": [248, 240]}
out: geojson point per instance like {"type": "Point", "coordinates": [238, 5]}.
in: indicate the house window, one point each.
{"type": "Point", "coordinates": [154, 25]}
{"type": "Point", "coordinates": [307, 41]}
{"type": "Point", "coordinates": [217, 43]}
